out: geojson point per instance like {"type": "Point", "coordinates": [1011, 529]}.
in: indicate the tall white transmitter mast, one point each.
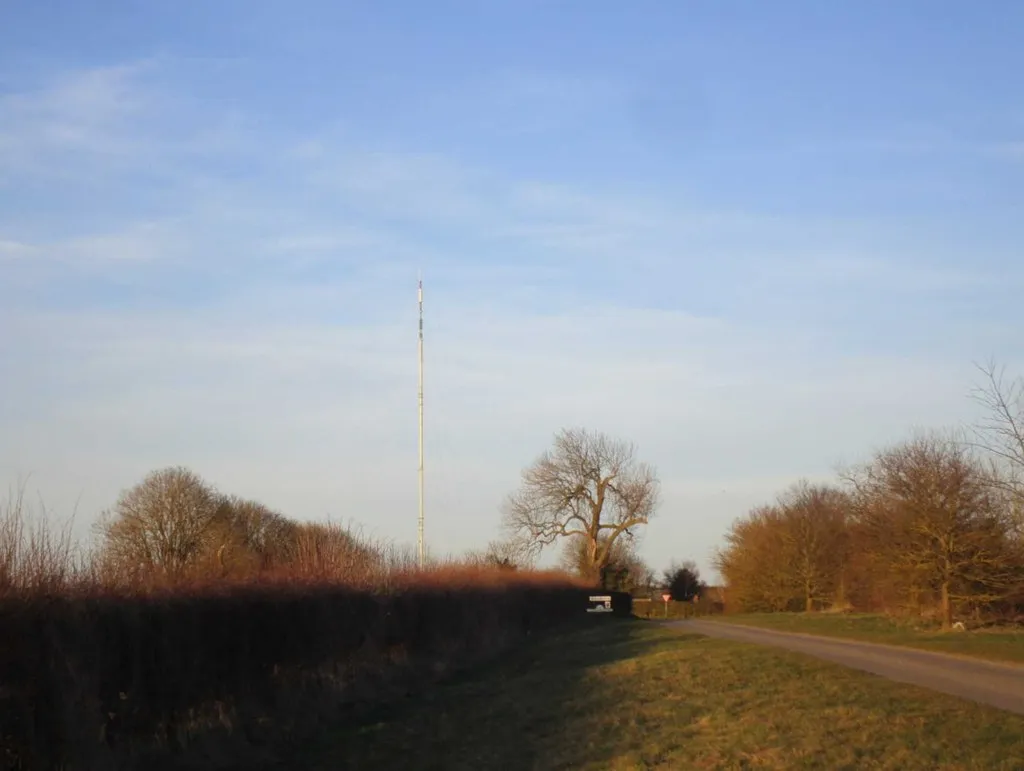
{"type": "Point", "coordinates": [421, 548]}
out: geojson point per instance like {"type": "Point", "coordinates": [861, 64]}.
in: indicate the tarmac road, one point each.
{"type": "Point", "coordinates": [999, 685]}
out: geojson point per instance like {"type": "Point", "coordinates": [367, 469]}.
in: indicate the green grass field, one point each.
{"type": "Point", "coordinates": [622, 694]}
{"type": "Point", "coordinates": [989, 644]}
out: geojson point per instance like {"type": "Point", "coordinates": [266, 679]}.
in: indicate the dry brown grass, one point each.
{"type": "Point", "coordinates": [35, 553]}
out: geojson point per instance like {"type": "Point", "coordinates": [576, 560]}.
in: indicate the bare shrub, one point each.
{"type": "Point", "coordinates": [330, 552]}
{"type": "Point", "coordinates": [35, 554]}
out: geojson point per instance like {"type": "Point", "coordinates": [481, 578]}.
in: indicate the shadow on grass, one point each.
{"type": "Point", "coordinates": [529, 710]}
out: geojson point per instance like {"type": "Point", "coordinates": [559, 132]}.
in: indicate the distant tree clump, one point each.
{"type": "Point", "coordinates": [683, 581]}
{"type": "Point", "coordinates": [789, 554]}
{"type": "Point", "coordinates": [931, 524]}
{"type": "Point", "coordinates": [173, 524]}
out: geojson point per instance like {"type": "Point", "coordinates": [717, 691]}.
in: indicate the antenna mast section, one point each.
{"type": "Point", "coordinates": [421, 549]}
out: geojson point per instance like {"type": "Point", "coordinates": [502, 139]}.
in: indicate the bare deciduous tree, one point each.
{"type": "Point", "coordinates": [755, 563]}
{"type": "Point", "coordinates": [249, 535]}
{"type": "Point", "coordinates": [588, 486]}
{"type": "Point", "coordinates": [814, 535]}
{"type": "Point", "coordinates": [162, 525]}
{"type": "Point", "coordinates": [791, 554]}
{"type": "Point", "coordinates": [927, 509]}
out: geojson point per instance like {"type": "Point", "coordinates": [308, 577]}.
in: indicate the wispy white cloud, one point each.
{"type": "Point", "coordinates": [520, 219]}
{"type": "Point", "coordinates": [98, 122]}
{"type": "Point", "coordinates": [14, 250]}
{"type": "Point", "coordinates": [409, 185]}
{"type": "Point", "coordinates": [84, 111]}
{"type": "Point", "coordinates": [143, 242]}
{"type": "Point", "coordinates": [126, 255]}
{"type": "Point", "coordinates": [535, 221]}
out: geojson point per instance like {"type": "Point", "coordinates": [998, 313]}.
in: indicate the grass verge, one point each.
{"type": "Point", "coordinates": [996, 645]}
{"type": "Point", "coordinates": [636, 695]}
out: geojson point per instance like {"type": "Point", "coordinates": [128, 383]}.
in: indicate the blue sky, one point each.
{"type": "Point", "coordinates": [759, 240]}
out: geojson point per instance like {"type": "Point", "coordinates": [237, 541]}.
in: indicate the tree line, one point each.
{"type": "Point", "coordinates": [589, 496]}
{"type": "Point", "coordinates": [933, 524]}
{"type": "Point", "coordinates": [173, 525]}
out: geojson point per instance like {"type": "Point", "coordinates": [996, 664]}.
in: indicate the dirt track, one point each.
{"type": "Point", "coordinates": [999, 685]}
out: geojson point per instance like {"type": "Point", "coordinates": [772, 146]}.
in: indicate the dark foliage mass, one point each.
{"type": "Point", "coordinates": [683, 582]}
{"type": "Point", "coordinates": [131, 681]}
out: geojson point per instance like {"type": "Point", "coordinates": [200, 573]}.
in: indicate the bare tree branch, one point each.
{"type": "Point", "coordinates": [1001, 432]}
